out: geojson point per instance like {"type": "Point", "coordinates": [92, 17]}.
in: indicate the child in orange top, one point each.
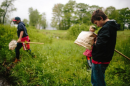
{"type": "Point", "coordinates": [88, 53]}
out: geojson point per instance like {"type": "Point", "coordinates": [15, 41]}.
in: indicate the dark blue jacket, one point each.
{"type": "Point", "coordinates": [21, 27]}
{"type": "Point", "coordinates": [103, 50]}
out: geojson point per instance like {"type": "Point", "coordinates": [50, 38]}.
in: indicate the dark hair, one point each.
{"type": "Point", "coordinates": [97, 15]}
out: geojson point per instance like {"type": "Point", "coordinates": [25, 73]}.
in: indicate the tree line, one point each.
{"type": "Point", "coordinates": [35, 18]}
{"type": "Point", "coordinates": [66, 15]}
{"type": "Point", "coordinates": [5, 8]}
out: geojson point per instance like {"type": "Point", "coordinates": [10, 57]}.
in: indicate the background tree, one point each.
{"type": "Point", "coordinates": [65, 16]}
{"type": "Point", "coordinates": [26, 22]}
{"type": "Point", "coordinates": [7, 7]}
{"type": "Point", "coordinates": [36, 19]}
{"type": "Point", "coordinates": [93, 8]}
{"type": "Point", "coordinates": [1, 14]}
{"type": "Point", "coordinates": [57, 16]}
{"type": "Point", "coordinates": [33, 17]}
{"type": "Point", "coordinates": [109, 10]}
{"type": "Point", "coordinates": [42, 21]}
{"type": "Point", "coordinates": [112, 13]}
{"type": "Point", "coordinates": [82, 13]}
{"type": "Point", "coordinates": [124, 16]}
{"type": "Point", "coordinates": [68, 10]}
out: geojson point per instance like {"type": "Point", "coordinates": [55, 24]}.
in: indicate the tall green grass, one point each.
{"type": "Point", "coordinates": [117, 73]}
{"type": "Point", "coordinates": [7, 33]}
{"type": "Point", "coordinates": [55, 34]}
{"type": "Point", "coordinates": [35, 35]}
{"type": "Point", "coordinates": [74, 31]}
{"type": "Point", "coordinates": [60, 62]}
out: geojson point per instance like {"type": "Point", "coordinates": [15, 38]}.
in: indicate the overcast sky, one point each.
{"type": "Point", "coordinates": [47, 5]}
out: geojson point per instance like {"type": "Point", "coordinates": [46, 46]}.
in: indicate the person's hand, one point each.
{"type": "Point", "coordinates": [95, 40]}
{"type": "Point", "coordinates": [19, 40]}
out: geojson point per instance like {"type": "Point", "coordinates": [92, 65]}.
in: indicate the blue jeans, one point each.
{"type": "Point", "coordinates": [98, 74]}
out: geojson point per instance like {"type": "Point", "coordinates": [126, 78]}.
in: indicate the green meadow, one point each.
{"type": "Point", "coordinates": [59, 62]}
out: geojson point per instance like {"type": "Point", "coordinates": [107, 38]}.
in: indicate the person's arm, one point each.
{"type": "Point", "coordinates": [102, 38]}
{"type": "Point", "coordinates": [21, 35]}
{"type": "Point", "coordinates": [95, 37]}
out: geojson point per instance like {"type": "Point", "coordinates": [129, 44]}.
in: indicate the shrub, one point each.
{"type": "Point", "coordinates": [36, 36]}
{"type": "Point", "coordinates": [7, 34]}
{"type": "Point", "coordinates": [74, 31]}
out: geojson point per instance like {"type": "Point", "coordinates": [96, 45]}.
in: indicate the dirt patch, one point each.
{"type": "Point", "coordinates": [4, 82]}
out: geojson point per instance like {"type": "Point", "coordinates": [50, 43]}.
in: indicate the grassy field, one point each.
{"type": "Point", "coordinates": [60, 62]}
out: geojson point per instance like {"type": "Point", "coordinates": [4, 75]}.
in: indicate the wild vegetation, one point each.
{"type": "Point", "coordinates": [6, 7]}
{"type": "Point", "coordinates": [59, 62]}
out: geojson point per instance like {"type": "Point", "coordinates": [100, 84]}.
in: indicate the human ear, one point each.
{"type": "Point", "coordinates": [101, 18]}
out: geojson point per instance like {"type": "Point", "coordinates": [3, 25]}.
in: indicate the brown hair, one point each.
{"type": "Point", "coordinates": [97, 15]}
